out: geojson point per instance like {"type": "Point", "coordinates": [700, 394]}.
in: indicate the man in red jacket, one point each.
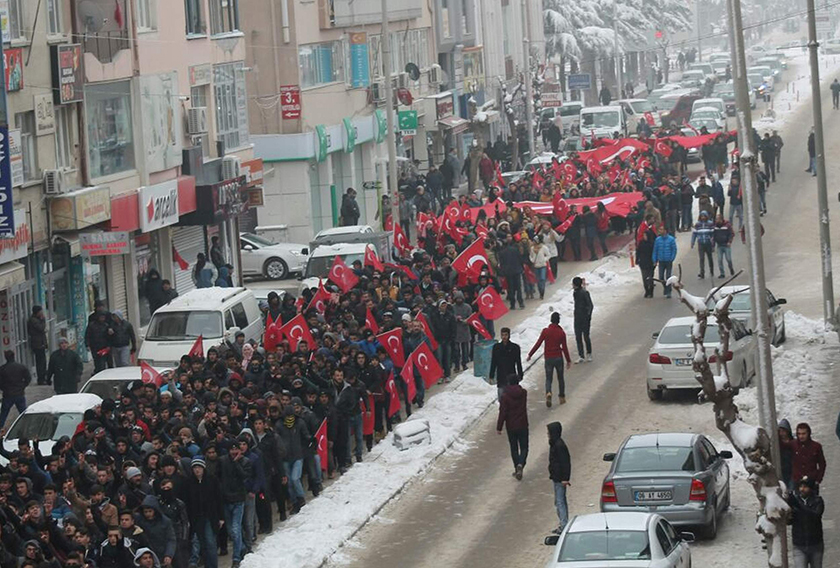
{"type": "Point", "coordinates": [808, 457]}
{"type": "Point", "coordinates": [513, 414]}
{"type": "Point", "coordinates": [555, 351]}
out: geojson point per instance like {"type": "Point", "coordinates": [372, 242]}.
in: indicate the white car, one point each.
{"type": "Point", "coordinates": [671, 358]}
{"type": "Point", "coordinates": [48, 420]}
{"type": "Point", "coordinates": [716, 103]}
{"type": "Point", "coordinates": [110, 383]}
{"type": "Point", "coordinates": [692, 154]}
{"type": "Point", "coordinates": [766, 74]}
{"type": "Point", "coordinates": [693, 78]}
{"type": "Point", "coordinates": [705, 115]}
{"type": "Point", "coordinates": [740, 309]}
{"type": "Point", "coordinates": [275, 261]}
{"type": "Point", "coordinates": [632, 540]}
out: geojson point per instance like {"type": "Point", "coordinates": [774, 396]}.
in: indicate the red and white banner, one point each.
{"type": "Point", "coordinates": [617, 204]}
{"type": "Point", "coordinates": [471, 258]}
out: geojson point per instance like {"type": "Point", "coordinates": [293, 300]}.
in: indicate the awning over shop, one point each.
{"type": "Point", "coordinates": [11, 273]}
{"type": "Point", "coordinates": [454, 124]}
{"type": "Point", "coordinates": [71, 239]}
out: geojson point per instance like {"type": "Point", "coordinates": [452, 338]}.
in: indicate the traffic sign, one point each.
{"type": "Point", "coordinates": [407, 120]}
{"type": "Point", "coordinates": [580, 82]}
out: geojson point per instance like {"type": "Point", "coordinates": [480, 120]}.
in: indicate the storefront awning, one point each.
{"type": "Point", "coordinates": [11, 273]}
{"type": "Point", "coordinates": [454, 124]}
{"type": "Point", "coordinates": [71, 239]}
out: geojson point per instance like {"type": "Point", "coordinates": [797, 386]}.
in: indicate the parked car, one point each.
{"type": "Point", "coordinates": [773, 63]}
{"type": "Point", "coordinates": [706, 68]}
{"type": "Point", "coordinates": [693, 78]}
{"type": "Point", "coordinates": [767, 74]}
{"type": "Point", "coordinates": [321, 260]}
{"type": "Point", "coordinates": [715, 103]}
{"type": "Point", "coordinates": [48, 420]}
{"type": "Point", "coordinates": [570, 116]}
{"type": "Point", "coordinates": [708, 116]}
{"type": "Point", "coordinates": [110, 383]}
{"type": "Point", "coordinates": [740, 309]}
{"type": "Point", "coordinates": [274, 261]}
{"type": "Point", "coordinates": [671, 358]}
{"type": "Point", "coordinates": [655, 96]}
{"type": "Point", "coordinates": [631, 540]}
{"type": "Point", "coordinates": [680, 476]}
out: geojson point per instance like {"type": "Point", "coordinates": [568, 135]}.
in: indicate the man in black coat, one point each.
{"type": "Point", "coordinates": [349, 208]}
{"type": "Point", "coordinates": [65, 368]}
{"type": "Point", "coordinates": [204, 509]}
{"type": "Point", "coordinates": [98, 339]}
{"type": "Point", "coordinates": [36, 328]}
{"type": "Point", "coordinates": [806, 522]}
{"type": "Point", "coordinates": [510, 264]}
{"type": "Point", "coordinates": [559, 471]}
{"type": "Point", "coordinates": [505, 360]}
{"type": "Point", "coordinates": [583, 318]}
{"type": "Point", "coordinates": [14, 378]}
{"type": "Point", "coordinates": [235, 471]}
{"type": "Point", "coordinates": [443, 327]}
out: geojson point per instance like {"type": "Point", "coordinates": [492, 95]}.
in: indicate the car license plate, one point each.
{"type": "Point", "coordinates": [683, 362]}
{"type": "Point", "coordinates": [652, 496]}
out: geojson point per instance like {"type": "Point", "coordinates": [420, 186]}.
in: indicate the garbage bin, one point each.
{"type": "Point", "coordinates": [482, 352]}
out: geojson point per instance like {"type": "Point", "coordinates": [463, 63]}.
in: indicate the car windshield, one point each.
{"type": "Point", "coordinates": [710, 124]}
{"type": "Point", "coordinates": [319, 267]}
{"type": "Point", "coordinates": [740, 302]}
{"type": "Point", "coordinates": [708, 114]}
{"type": "Point", "coordinates": [257, 240]}
{"type": "Point", "coordinates": [605, 545]}
{"type": "Point", "coordinates": [641, 107]}
{"type": "Point", "coordinates": [44, 426]}
{"type": "Point", "coordinates": [178, 326]}
{"type": "Point", "coordinates": [570, 110]}
{"type": "Point", "coordinates": [599, 119]}
{"type": "Point", "coordinates": [681, 334]}
{"type": "Point", "coordinates": [106, 388]}
{"type": "Point", "coordinates": [655, 458]}
{"type": "Point", "coordinates": [693, 74]}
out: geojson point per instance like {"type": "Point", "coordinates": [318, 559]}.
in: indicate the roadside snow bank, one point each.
{"type": "Point", "coordinates": [326, 523]}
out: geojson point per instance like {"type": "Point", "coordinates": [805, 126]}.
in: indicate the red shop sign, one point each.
{"type": "Point", "coordinates": [290, 101]}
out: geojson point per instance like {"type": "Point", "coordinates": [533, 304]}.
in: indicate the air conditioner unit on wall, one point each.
{"type": "Point", "coordinates": [54, 182]}
{"type": "Point", "coordinates": [197, 120]}
{"type": "Point", "coordinates": [403, 81]}
{"type": "Point", "coordinates": [377, 90]}
{"type": "Point", "coordinates": [231, 167]}
{"type": "Point", "coordinates": [435, 74]}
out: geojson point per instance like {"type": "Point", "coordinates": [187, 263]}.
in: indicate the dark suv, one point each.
{"type": "Point", "coordinates": [680, 111]}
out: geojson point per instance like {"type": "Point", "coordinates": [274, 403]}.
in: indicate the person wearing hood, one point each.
{"type": "Point", "coordinates": [807, 509]}
{"type": "Point", "coordinates": [158, 529]}
{"type": "Point", "coordinates": [115, 550]}
{"type": "Point", "coordinates": [223, 281]}
{"type": "Point", "coordinates": [559, 471]}
{"type": "Point", "coordinates": [154, 290]}
{"type": "Point", "coordinates": [786, 452]}
{"type": "Point", "coordinates": [123, 341]}
{"type": "Point", "coordinates": [36, 330]}
{"type": "Point", "coordinates": [175, 510]}
{"type": "Point", "coordinates": [146, 558]}
{"type": "Point", "coordinates": [235, 471]}
{"type": "Point", "coordinates": [513, 415]}
{"type": "Point", "coordinates": [296, 437]}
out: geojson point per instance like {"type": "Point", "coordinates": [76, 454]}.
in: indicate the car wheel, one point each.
{"type": "Point", "coordinates": [276, 269]}
{"type": "Point", "coordinates": [654, 394]}
{"type": "Point", "coordinates": [710, 530]}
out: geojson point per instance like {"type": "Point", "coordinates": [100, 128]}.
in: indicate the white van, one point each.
{"type": "Point", "coordinates": [322, 258]}
{"type": "Point", "coordinates": [635, 110]}
{"type": "Point", "coordinates": [216, 314]}
{"type": "Point", "coordinates": [603, 121]}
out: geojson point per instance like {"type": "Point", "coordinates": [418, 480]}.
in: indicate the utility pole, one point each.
{"type": "Point", "coordinates": [697, 25]}
{"type": "Point", "coordinates": [822, 185]}
{"type": "Point", "coordinates": [619, 75]}
{"type": "Point", "coordinates": [758, 288]}
{"type": "Point", "coordinates": [391, 138]}
{"type": "Point", "coordinates": [529, 95]}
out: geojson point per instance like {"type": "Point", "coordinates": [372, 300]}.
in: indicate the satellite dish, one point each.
{"type": "Point", "coordinates": [91, 16]}
{"type": "Point", "coordinates": [413, 71]}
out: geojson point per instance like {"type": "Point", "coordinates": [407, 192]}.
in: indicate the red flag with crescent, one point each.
{"type": "Point", "coordinates": [425, 362]}
{"type": "Point", "coordinates": [476, 324]}
{"type": "Point", "coordinates": [319, 300]}
{"type": "Point", "coordinates": [342, 275]}
{"type": "Point", "coordinates": [549, 274]}
{"type": "Point", "coordinates": [371, 259]}
{"type": "Point", "coordinates": [197, 349]}
{"type": "Point", "coordinates": [500, 180]}
{"type": "Point", "coordinates": [401, 241]}
{"type": "Point", "coordinates": [393, 395]}
{"type": "Point", "coordinates": [481, 231]}
{"type": "Point", "coordinates": [491, 305]}
{"type": "Point", "coordinates": [321, 439]}
{"type": "Point", "coordinates": [296, 330]}
{"type": "Point", "coordinates": [471, 258]}
{"type": "Point", "coordinates": [149, 376]}
{"type": "Point", "coordinates": [570, 171]}
{"type": "Point", "coordinates": [370, 322]}
{"type": "Point", "coordinates": [367, 416]}
{"type": "Point", "coordinates": [407, 375]}
{"type": "Point", "coordinates": [649, 118]}
{"type": "Point", "coordinates": [392, 342]}
{"type": "Point", "coordinates": [538, 179]}
{"type": "Point", "coordinates": [663, 149]}
{"type": "Point", "coordinates": [427, 329]}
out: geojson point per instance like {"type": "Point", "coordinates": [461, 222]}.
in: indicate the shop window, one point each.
{"type": "Point", "coordinates": [224, 16]}
{"type": "Point", "coordinates": [410, 46]}
{"type": "Point", "coordinates": [194, 11]}
{"type": "Point", "coordinates": [25, 122]}
{"type": "Point", "coordinates": [110, 137]}
{"type": "Point", "coordinates": [321, 63]}
{"type": "Point", "coordinates": [231, 105]}
{"type": "Point", "coordinates": [97, 288]}
{"type": "Point", "coordinates": [64, 137]}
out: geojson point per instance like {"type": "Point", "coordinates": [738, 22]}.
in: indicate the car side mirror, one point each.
{"type": "Point", "coordinates": [687, 536]}
{"type": "Point", "coordinates": [247, 247]}
{"type": "Point", "coordinates": [725, 454]}
{"type": "Point", "coordinates": [780, 301]}
{"type": "Point", "coordinates": [608, 457]}
{"type": "Point", "coordinates": [552, 540]}
{"type": "Point", "coordinates": [655, 335]}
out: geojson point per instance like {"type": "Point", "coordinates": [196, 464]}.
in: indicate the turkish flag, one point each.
{"type": "Point", "coordinates": [530, 277]}
{"type": "Point", "coordinates": [614, 172]}
{"type": "Point", "coordinates": [481, 231]}
{"type": "Point", "coordinates": [548, 273]}
{"type": "Point", "coordinates": [593, 166]}
{"type": "Point", "coordinates": [272, 336]}
{"type": "Point", "coordinates": [427, 365]}
{"type": "Point", "coordinates": [649, 118]}
{"type": "Point", "coordinates": [296, 330]}
{"type": "Point", "coordinates": [394, 396]}
{"type": "Point", "coordinates": [660, 147]}
{"type": "Point", "coordinates": [320, 299]}
{"type": "Point", "coordinates": [538, 179]}
{"type": "Point", "coordinates": [491, 305]}
{"type": "Point", "coordinates": [372, 260]}
{"type": "Point", "coordinates": [401, 241]}
{"type": "Point", "coordinates": [370, 322]}
{"type": "Point", "coordinates": [367, 416]}
{"type": "Point", "coordinates": [476, 324]}
{"type": "Point", "coordinates": [149, 376]}
{"type": "Point", "coordinates": [466, 214]}
{"type": "Point", "coordinates": [342, 275]}
{"type": "Point", "coordinates": [570, 171]}
{"type": "Point", "coordinates": [472, 258]}
{"type": "Point", "coordinates": [500, 180]}
{"type": "Point", "coordinates": [407, 375]}
{"type": "Point", "coordinates": [427, 329]}
{"type": "Point", "coordinates": [392, 342]}
{"type": "Point", "coordinates": [564, 226]}
{"type": "Point", "coordinates": [425, 221]}
{"type": "Point", "coordinates": [321, 439]}
{"type": "Point", "coordinates": [389, 222]}
{"type": "Point", "coordinates": [197, 350]}
{"type": "Point", "coordinates": [176, 256]}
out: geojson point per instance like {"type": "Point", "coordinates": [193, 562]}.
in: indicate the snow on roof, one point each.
{"type": "Point", "coordinates": [202, 298]}
{"type": "Point", "coordinates": [614, 521]}
{"type": "Point", "coordinates": [59, 403]}
{"type": "Point", "coordinates": [346, 230]}
{"type": "Point", "coordinates": [678, 439]}
{"type": "Point", "coordinates": [337, 249]}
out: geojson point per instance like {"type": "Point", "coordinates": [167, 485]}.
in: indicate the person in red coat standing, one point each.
{"type": "Point", "coordinates": [556, 350]}
{"type": "Point", "coordinates": [808, 457]}
{"type": "Point", "coordinates": [513, 415]}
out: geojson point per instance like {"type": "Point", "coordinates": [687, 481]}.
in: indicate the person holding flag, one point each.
{"type": "Point", "coordinates": [461, 348]}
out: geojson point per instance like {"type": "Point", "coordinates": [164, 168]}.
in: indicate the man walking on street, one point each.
{"type": "Point", "coordinates": [513, 415]}
{"type": "Point", "coordinates": [14, 378]}
{"type": "Point", "coordinates": [703, 234]}
{"type": "Point", "coordinates": [65, 368]}
{"type": "Point", "coordinates": [664, 253]}
{"type": "Point", "coordinates": [235, 471]}
{"type": "Point", "coordinates": [123, 340]}
{"type": "Point", "coordinates": [812, 150]}
{"type": "Point", "coordinates": [778, 143]}
{"type": "Point", "coordinates": [506, 360]}
{"type": "Point", "coordinates": [36, 329]}
{"type": "Point", "coordinates": [510, 264]}
{"type": "Point", "coordinates": [555, 351]}
{"type": "Point", "coordinates": [835, 94]}
{"type": "Point", "coordinates": [583, 318]}
{"type": "Point", "coordinates": [559, 471]}
{"type": "Point", "coordinates": [806, 522]}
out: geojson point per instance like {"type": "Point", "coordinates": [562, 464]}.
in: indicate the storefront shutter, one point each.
{"type": "Point", "coordinates": [120, 299]}
{"type": "Point", "coordinates": [188, 241]}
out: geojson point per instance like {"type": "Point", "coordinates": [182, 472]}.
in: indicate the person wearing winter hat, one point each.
{"type": "Point", "coordinates": [703, 236]}
{"type": "Point", "coordinates": [295, 436]}
{"type": "Point", "coordinates": [204, 511]}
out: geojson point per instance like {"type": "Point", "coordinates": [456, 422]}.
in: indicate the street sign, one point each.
{"type": "Point", "coordinates": [290, 102]}
{"type": "Point", "coordinates": [823, 22]}
{"type": "Point", "coordinates": [580, 82]}
{"type": "Point", "coordinates": [407, 122]}
{"type": "Point", "coordinates": [551, 95]}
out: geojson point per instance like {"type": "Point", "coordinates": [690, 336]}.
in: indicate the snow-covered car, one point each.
{"type": "Point", "coordinates": [275, 261]}
{"type": "Point", "coordinates": [543, 160]}
{"type": "Point", "coordinates": [680, 476]}
{"type": "Point", "coordinates": [693, 78]}
{"type": "Point", "coordinates": [49, 420]}
{"type": "Point", "coordinates": [110, 383]}
{"type": "Point", "coordinates": [706, 68]}
{"type": "Point", "coordinates": [636, 110]}
{"type": "Point", "coordinates": [713, 102]}
{"type": "Point", "coordinates": [631, 540]}
{"type": "Point", "coordinates": [513, 177]}
{"type": "Point", "coordinates": [693, 154]}
{"type": "Point", "coordinates": [343, 231]}
{"type": "Point", "coordinates": [740, 309]}
{"type": "Point", "coordinates": [706, 114]}
{"type": "Point", "coordinates": [671, 358]}
{"type": "Point", "coordinates": [766, 72]}
{"type": "Point", "coordinates": [603, 121]}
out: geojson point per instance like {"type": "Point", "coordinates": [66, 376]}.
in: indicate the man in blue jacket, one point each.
{"type": "Point", "coordinates": [703, 235]}
{"type": "Point", "coordinates": [664, 254]}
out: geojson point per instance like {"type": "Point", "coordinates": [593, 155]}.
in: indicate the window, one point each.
{"type": "Point", "coordinates": [239, 316]}
{"type": "Point", "coordinates": [64, 137]}
{"type": "Point", "coordinates": [605, 545]}
{"type": "Point", "coordinates": [664, 540]}
{"type": "Point", "coordinates": [198, 98]}
{"type": "Point", "coordinates": [45, 426]}
{"type": "Point", "coordinates": [179, 326]}
{"type": "Point", "coordinates": [231, 104]}
{"type": "Point", "coordinates": [445, 12]}
{"type": "Point", "coordinates": [17, 29]}
{"type": "Point", "coordinates": [54, 26]}
{"type": "Point", "coordinates": [224, 16]}
{"type": "Point", "coordinates": [146, 15]}
{"type": "Point", "coordinates": [195, 17]}
{"type": "Point", "coordinates": [25, 122]}
{"type": "Point", "coordinates": [110, 136]}
{"type": "Point", "coordinates": [321, 63]}
{"type": "Point", "coordinates": [656, 458]}
{"type": "Point", "coordinates": [411, 46]}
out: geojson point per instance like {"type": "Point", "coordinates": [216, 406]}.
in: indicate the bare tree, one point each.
{"type": "Point", "coordinates": [751, 442]}
{"type": "Point", "coordinates": [507, 106]}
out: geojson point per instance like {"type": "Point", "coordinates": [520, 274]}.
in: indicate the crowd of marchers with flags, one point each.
{"type": "Point", "coordinates": [192, 464]}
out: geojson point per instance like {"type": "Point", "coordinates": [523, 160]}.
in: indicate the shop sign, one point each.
{"type": "Point", "coordinates": [200, 74]}
{"type": "Point", "coordinates": [580, 82]}
{"type": "Point", "coordinates": [16, 157]}
{"type": "Point", "coordinates": [7, 212]}
{"type": "Point", "coordinates": [159, 205]}
{"type": "Point", "coordinates": [407, 120]}
{"type": "Point", "coordinates": [105, 244]}
{"type": "Point", "coordinates": [44, 114]}
{"type": "Point", "coordinates": [13, 68]}
{"type": "Point", "coordinates": [290, 102]}
{"type": "Point", "coordinates": [349, 135]}
{"type": "Point", "coordinates": [67, 76]}
{"type": "Point", "coordinates": [359, 60]}
{"type": "Point", "coordinates": [5, 321]}
{"type": "Point", "coordinates": [80, 209]}
{"type": "Point", "coordinates": [256, 197]}
{"type": "Point", "coordinates": [253, 171]}
{"type": "Point", "coordinates": [322, 143]}
{"type": "Point", "coordinates": [550, 95]}
{"type": "Point", "coordinates": [16, 247]}
{"type": "Point", "coordinates": [445, 106]}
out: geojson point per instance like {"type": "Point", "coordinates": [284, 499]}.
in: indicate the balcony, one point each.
{"type": "Point", "coordinates": [101, 26]}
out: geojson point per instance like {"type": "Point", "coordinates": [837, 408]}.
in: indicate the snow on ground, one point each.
{"type": "Point", "coordinates": [329, 521]}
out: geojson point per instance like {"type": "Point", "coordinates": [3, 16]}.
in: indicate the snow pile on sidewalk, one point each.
{"type": "Point", "coordinates": [804, 369]}
{"type": "Point", "coordinates": [327, 522]}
